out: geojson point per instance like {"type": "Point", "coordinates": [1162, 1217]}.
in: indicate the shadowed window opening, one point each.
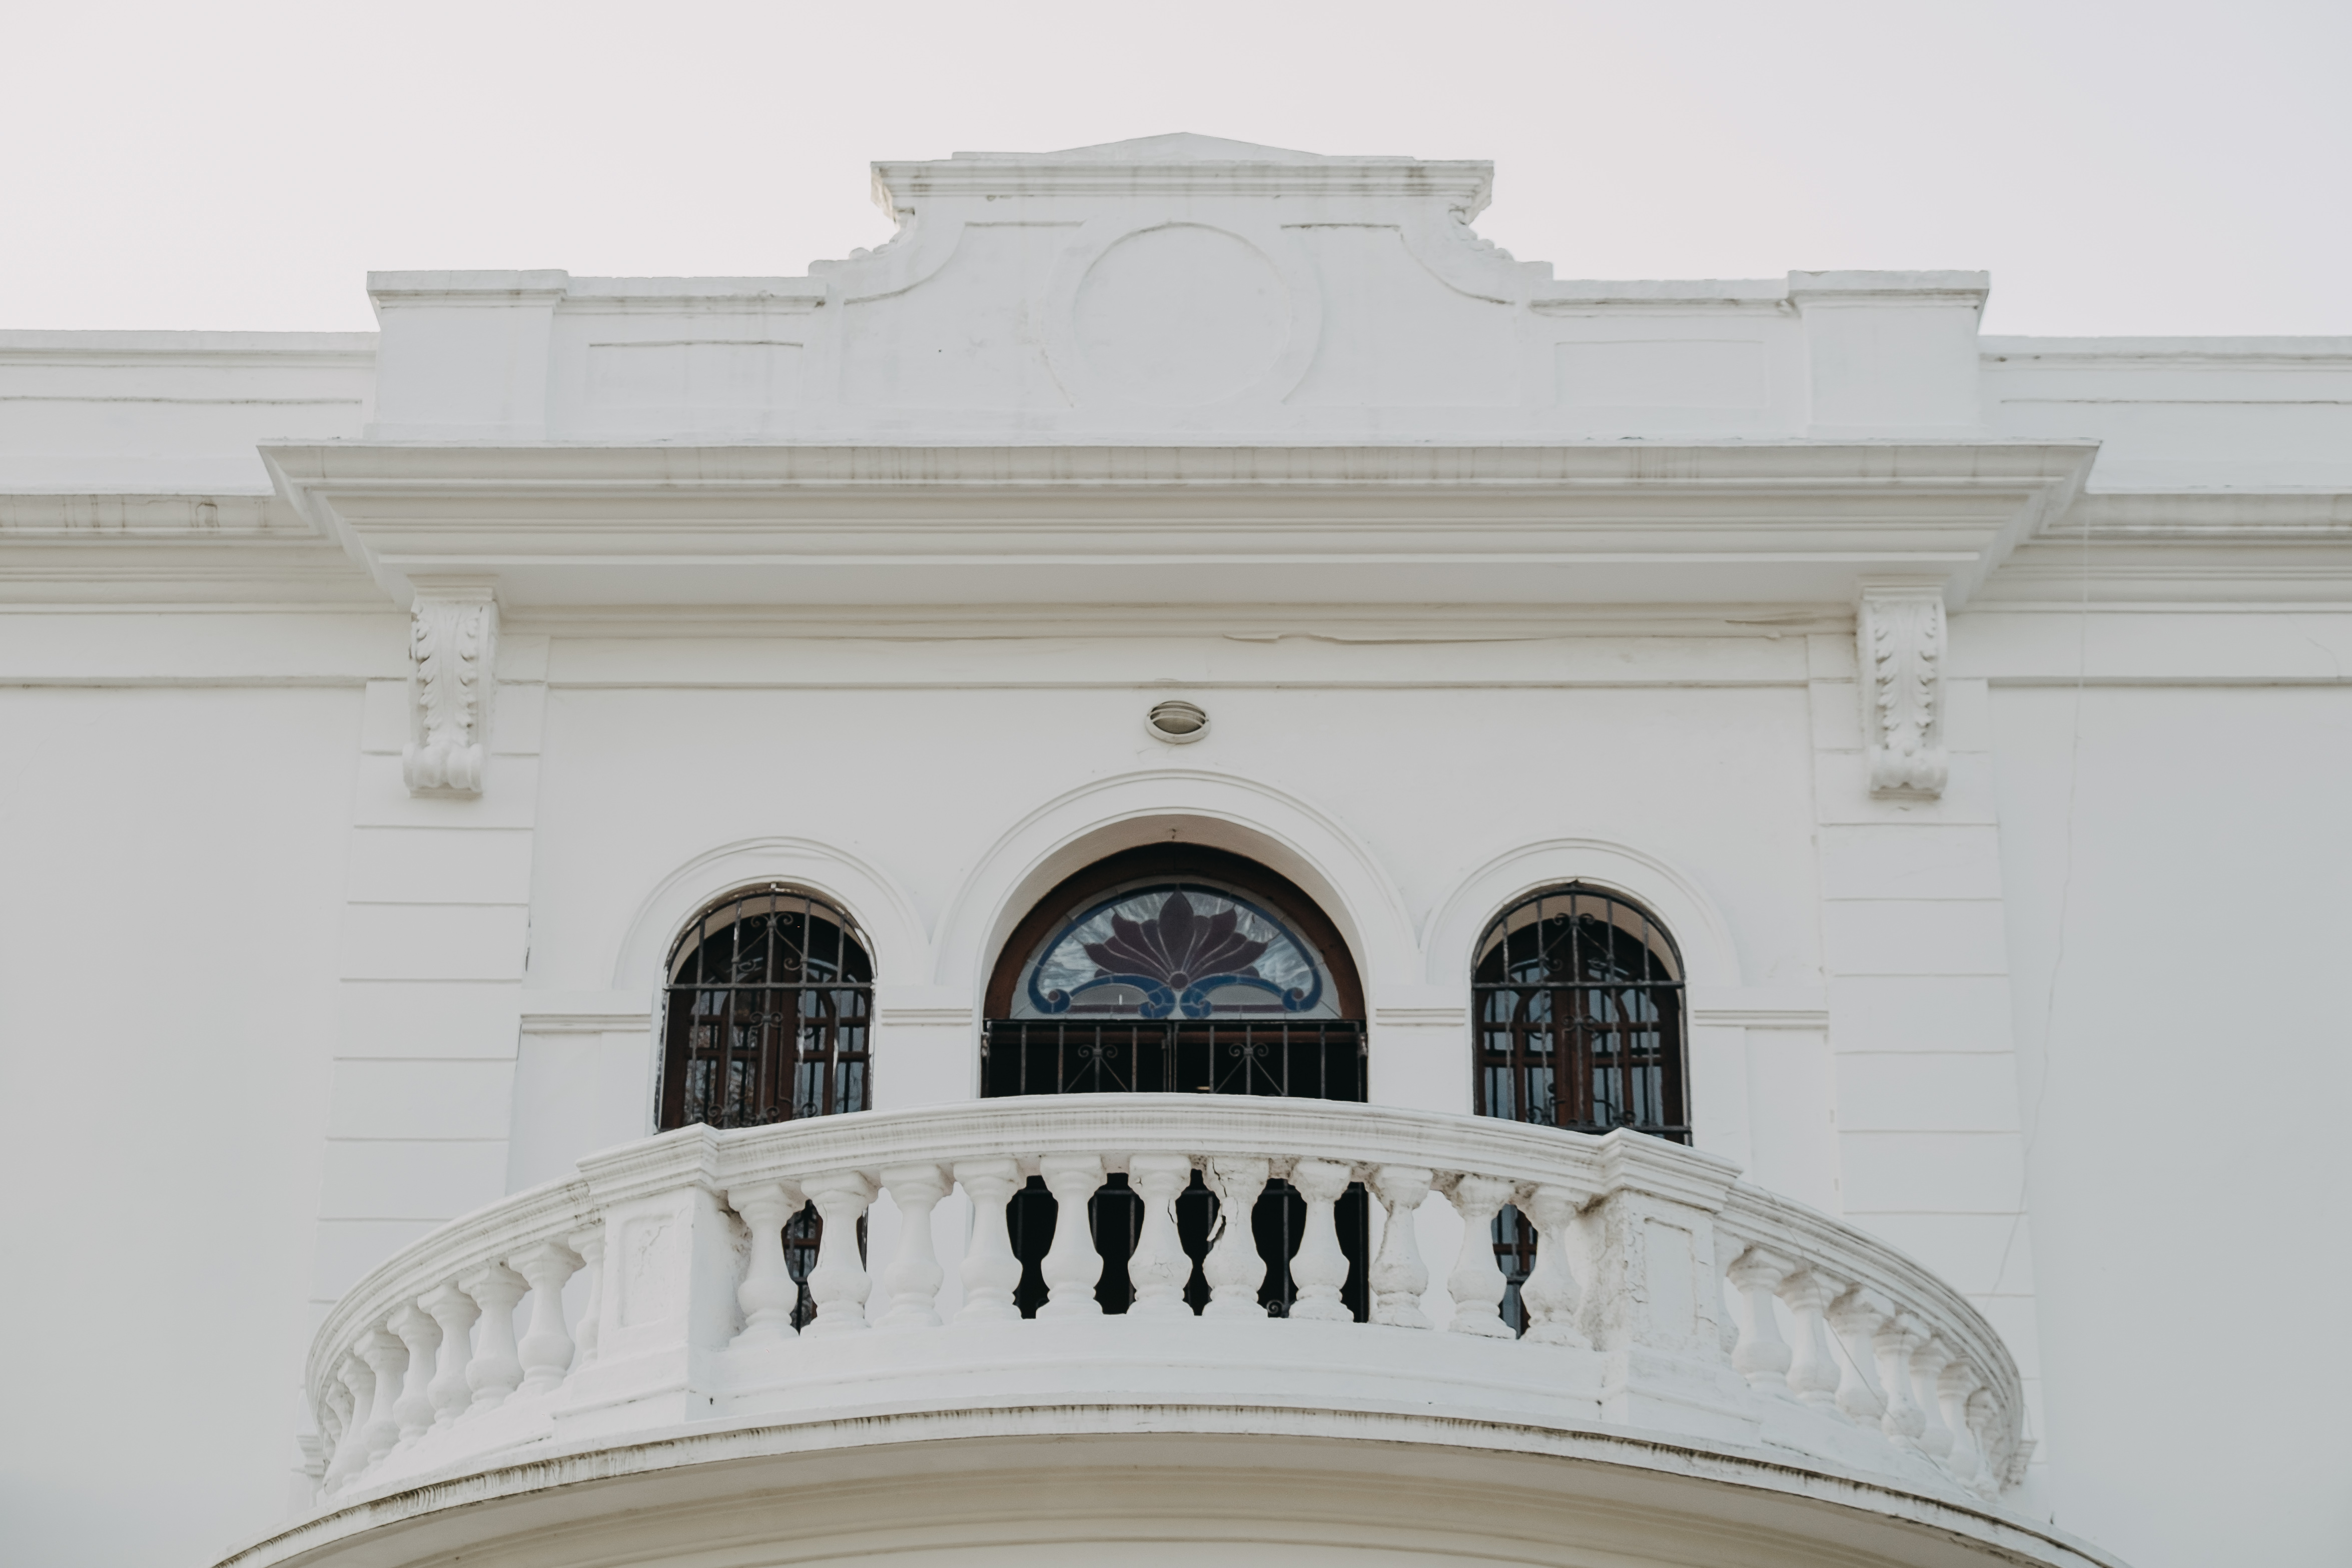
{"type": "Point", "coordinates": [1577, 995]}
{"type": "Point", "coordinates": [769, 1007]}
{"type": "Point", "coordinates": [1178, 969]}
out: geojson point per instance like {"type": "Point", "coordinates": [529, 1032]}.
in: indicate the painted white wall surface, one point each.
{"type": "Point", "coordinates": [170, 413]}
{"type": "Point", "coordinates": [2175, 862]}
{"type": "Point", "coordinates": [382, 706]}
{"type": "Point", "coordinates": [173, 871]}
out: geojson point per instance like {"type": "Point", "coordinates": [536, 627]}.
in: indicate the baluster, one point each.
{"type": "Point", "coordinates": [333, 1418]}
{"type": "Point", "coordinates": [387, 1358]}
{"type": "Point", "coordinates": [1320, 1268]}
{"type": "Point", "coordinates": [1160, 1268]}
{"type": "Point", "coordinates": [1928, 1363]}
{"type": "Point", "coordinates": [546, 1348]}
{"type": "Point", "coordinates": [1235, 1271]}
{"type": "Point", "coordinates": [413, 1409]}
{"type": "Point", "coordinates": [1959, 1381]}
{"type": "Point", "coordinates": [1814, 1374]}
{"type": "Point", "coordinates": [912, 1280]}
{"type": "Point", "coordinates": [359, 1382]}
{"type": "Point", "coordinates": [990, 1271]}
{"type": "Point", "coordinates": [590, 1245]}
{"type": "Point", "coordinates": [838, 1284]}
{"type": "Point", "coordinates": [768, 1293]}
{"type": "Point", "coordinates": [494, 1370]}
{"type": "Point", "coordinates": [1399, 1276]}
{"type": "Point", "coordinates": [1856, 1316]}
{"type": "Point", "coordinates": [1477, 1283]}
{"type": "Point", "coordinates": [354, 1385]}
{"type": "Point", "coordinates": [1761, 1355]}
{"type": "Point", "coordinates": [1987, 1483]}
{"type": "Point", "coordinates": [1549, 1292]}
{"type": "Point", "coordinates": [455, 1311]}
{"type": "Point", "coordinates": [1072, 1267]}
{"type": "Point", "coordinates": [1895, 1340]}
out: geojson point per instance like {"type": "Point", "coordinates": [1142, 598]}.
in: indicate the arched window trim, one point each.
{"type": "Point", "coordinates": [1534, 1035]}
{"type": "Point", "coordinates": [784, 1031]}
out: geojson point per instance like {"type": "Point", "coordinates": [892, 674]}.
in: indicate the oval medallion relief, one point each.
{"type": "Point", "coordinates": [1181, 316]}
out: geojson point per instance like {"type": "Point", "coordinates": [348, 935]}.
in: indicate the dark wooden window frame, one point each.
{"type": "Point", "coordinates": [780, 1036]}
{"type": "Point", "coordinates": [1530, 1031]}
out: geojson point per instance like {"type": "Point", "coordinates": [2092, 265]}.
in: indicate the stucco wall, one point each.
{"type": "Point", "coordinates": [174, 889]}
{"type": "Point", "coordinates": [2175, 861]}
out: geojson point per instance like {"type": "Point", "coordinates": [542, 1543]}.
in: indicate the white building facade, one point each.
{"type": "Point", "coordinates": [1744, 883]}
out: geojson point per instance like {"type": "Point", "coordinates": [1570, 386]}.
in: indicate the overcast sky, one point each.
{"type": "Point", "coordinates": [2121, 168]}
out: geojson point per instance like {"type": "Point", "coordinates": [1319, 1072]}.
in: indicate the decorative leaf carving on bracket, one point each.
{"type": "Point", "coordinates": [452, 645]}
{"type": "Point", "coordinates": [1901, 633]}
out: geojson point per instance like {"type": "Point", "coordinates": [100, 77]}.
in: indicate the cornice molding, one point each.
{"type": "Point", "coordinates": [1224, 171]}
{"type": "Point", "coordinates": [1770, 523]}
{"type": "Point", "coordinates": [2287, 549]}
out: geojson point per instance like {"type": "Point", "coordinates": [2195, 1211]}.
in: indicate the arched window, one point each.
{"type": "Point", "coordinates": [1175, 968]}
{"type": "Point", "coordinates": [1178, 969]}
{"type": "Point", "coordinates": [770, 1005]}
{"type": "Point", "coordinates": [1579, 994]}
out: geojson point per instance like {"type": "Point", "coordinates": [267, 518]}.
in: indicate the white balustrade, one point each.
{"type": "Point", "coordinates": [455, 1313]}
{"type": "Point", "coordinates": [769, 1293]}
{"type": "Point", "coordinates": [1477, 1284]}
{"type": "Point", "coordinates": [1813, 1372]}
{"type": "Point", "coordinates": [545, 1352]}
{"type": "Point", "coordinates": [589, 1244]}
{"type": "Point", "coordinates": [1161, 1269]}
{"type": "Point", "coordinates": [1856, 1316]}
{"type": "Point", "coordinates": [914, 1277]}
{"type": "Point", "coordinates": [1072, 1267]}
{"type": "Point", "coordinates": [496, 1368]}
{"type": "Point", "coordinates": [1895, 1342]}
{"type": "Point", "coordinates": [1928, 1364]}
{"type": "Point", "coordinates": [1761, 1356]}
{"type": "Point", "coordinates": [356, 1387]}
{"type": "Point", "coordinates": [838, 1284]}
{"type": "Point", "coordinates": [1549, 1293]}
{"type": "Point", "coordinates": [1958, 1381]}
{"type": "Point", "coordinates": [990, 1271]}
{"type": "Point", "coordinates": [387, 1359]}
{"type": "Point", "coordinates": [1235, 1271]}
{"type": "Point", "coordinates": [417, 1372]}
{"type": "Point", "coordinates": [1320, 1270]}
{"type": "Point", "coordinates": [1399, 1276]}
{"type": "Point", "coordinates": [422, 1336]}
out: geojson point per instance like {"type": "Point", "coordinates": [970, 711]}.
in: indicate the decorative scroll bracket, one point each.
{"type": "Point", "coordinates": [1900, 631]}
{"type": "Point", "coordinates": [453, 644]}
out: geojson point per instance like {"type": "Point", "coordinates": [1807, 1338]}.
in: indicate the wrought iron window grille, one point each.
{"type": "Point", "coordinates": [1577, 1000]}
{"type": "Point", "coordinates": [768, 1013]}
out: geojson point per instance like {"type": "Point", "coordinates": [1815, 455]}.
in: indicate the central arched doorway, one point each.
{"type": "Point", "coordinates": [1175, 968]}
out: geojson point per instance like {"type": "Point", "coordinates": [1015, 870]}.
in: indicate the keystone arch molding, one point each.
{"type": "Point", "coordinates": [900, 947]}
{"type": "Point", "coordinates": [1073, 830]}
{"type": "Point", "coordinates": [1710, 954]}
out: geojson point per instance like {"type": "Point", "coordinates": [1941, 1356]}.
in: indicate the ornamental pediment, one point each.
{"type": "Point", "coordinates": [1173, 288]}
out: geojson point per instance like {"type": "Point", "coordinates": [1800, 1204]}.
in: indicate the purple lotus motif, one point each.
{"type": "Point", "coordinates": [1177, 946]}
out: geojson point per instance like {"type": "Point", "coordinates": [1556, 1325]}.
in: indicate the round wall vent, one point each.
{"type": "Point", "coordinates": [1176, 722]}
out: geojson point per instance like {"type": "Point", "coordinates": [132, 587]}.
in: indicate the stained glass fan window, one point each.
{"type": "Point", "coordinates": [1175, 951]}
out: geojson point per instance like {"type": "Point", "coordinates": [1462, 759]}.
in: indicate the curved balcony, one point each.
{"type": "Point", "coordinates": [1683, 1331]}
